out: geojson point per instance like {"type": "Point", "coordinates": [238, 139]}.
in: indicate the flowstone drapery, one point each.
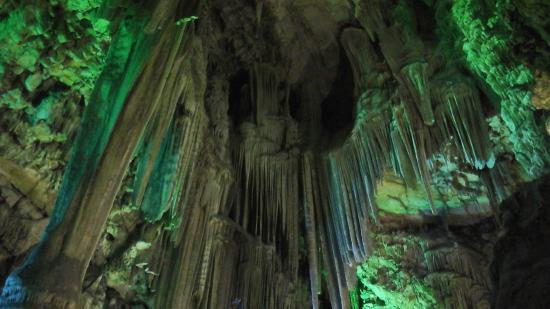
{"type": "Point", "coordinates": [54, 271]}
{"type": "Point", "coordinates": [262, 154]}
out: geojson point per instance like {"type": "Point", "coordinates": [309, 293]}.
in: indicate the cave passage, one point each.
{"type": "Point", "coordinates": [274, 154]}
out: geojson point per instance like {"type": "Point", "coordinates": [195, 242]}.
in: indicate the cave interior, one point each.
{"type": "Point", "coordinates": [251, 154]}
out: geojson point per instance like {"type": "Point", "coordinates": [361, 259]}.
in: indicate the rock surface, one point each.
{"type": "Point", "coordinates": [274, 154]}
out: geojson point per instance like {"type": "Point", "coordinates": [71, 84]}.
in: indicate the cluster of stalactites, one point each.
{"type": "Point", "coordinates": [387, 134]}
{"type": "Point", "coordinates": [249, 258]}
{"type": "Point", "coordinates": [457, 272]}
{"type": "Point", "coordinates": [460, 120]}
{"type": "Point", "coordinates": [267, 166]}
{"type": "Point", "coordinates": [397, 128]}
{"type": "Point", "coordinates": [270, 182]}
{"type": "Point", "coordinates": [263, 281]}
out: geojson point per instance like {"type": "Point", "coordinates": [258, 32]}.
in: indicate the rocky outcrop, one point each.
{"type": "Point", "coordinates": [270, 154]}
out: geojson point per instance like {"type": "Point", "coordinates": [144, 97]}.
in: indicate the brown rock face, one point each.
{"type": "Point", "coordinates": [274, 154]}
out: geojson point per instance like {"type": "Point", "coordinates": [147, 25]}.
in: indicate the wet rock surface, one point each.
{"type": "Point", "coordinates": [280, 147]}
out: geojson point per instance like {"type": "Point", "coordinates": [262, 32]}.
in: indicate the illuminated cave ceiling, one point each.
{"type": "Point", "coordinates": [274, 154]}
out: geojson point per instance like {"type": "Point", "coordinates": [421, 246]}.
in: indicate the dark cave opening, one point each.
{"type": "Point", "coordinates": [240, 108]}
{"type": "Point", "coordinates": [294, 105]}
{"type": "Point", "coordinates": [425, 21]}
{"type": "Point", "coordinates": [521, 255]}
{"type": "Point", "coordinates": [337, 109]}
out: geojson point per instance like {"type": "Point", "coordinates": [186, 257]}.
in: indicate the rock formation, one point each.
{"type": "Point", "coordinates": [274, 154]}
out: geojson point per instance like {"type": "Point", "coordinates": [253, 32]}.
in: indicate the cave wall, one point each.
{"type": "Point", "coordinates": [199, 148]}
{"type": "Point", "coordinates": [520, 254]}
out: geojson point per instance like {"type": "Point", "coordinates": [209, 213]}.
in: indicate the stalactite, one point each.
{"type": "Point", "coordinates": [332, 252]}
{"type": "Point", "coordinates": [353, 173]}
{"type": "Point", "coordinates": [391, 24]}
{"type": "Point", "coordinates": [427, 115]}
{"type": "Point", "coordinates": [266, 92]}
{"type": "Point", "coordinates": [498, 181]}
{"type": "Point", "coordinates": [489, 56]}
{"type": "Point", "coordinates": [355, 169]}
{"type": "Point", "coordinates": [461, 121]}
{"type": "Point", "coordinates": [262, 282]}
{"type": "Point", "coordinates": [401, 158]}
{"type": "Point", "coordinates": [269, 170]}
{"type": "Point", "coordinates": [311, 199]}
{"type": "Point", "coordinates": [412, 136]}
{"type": "Point", "coordinates": [414, 77]}
{"type": "Point", "coordinates": [253, 276]}
{"type": "Point", "coordinates": [457, 260]}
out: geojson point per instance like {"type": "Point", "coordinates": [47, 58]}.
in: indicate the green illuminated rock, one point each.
{"type": "Point", "coordinates": [272, 154]}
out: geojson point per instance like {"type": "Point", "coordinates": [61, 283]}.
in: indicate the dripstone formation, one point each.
{"type": "Point", "coordinates": [274, 154]}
